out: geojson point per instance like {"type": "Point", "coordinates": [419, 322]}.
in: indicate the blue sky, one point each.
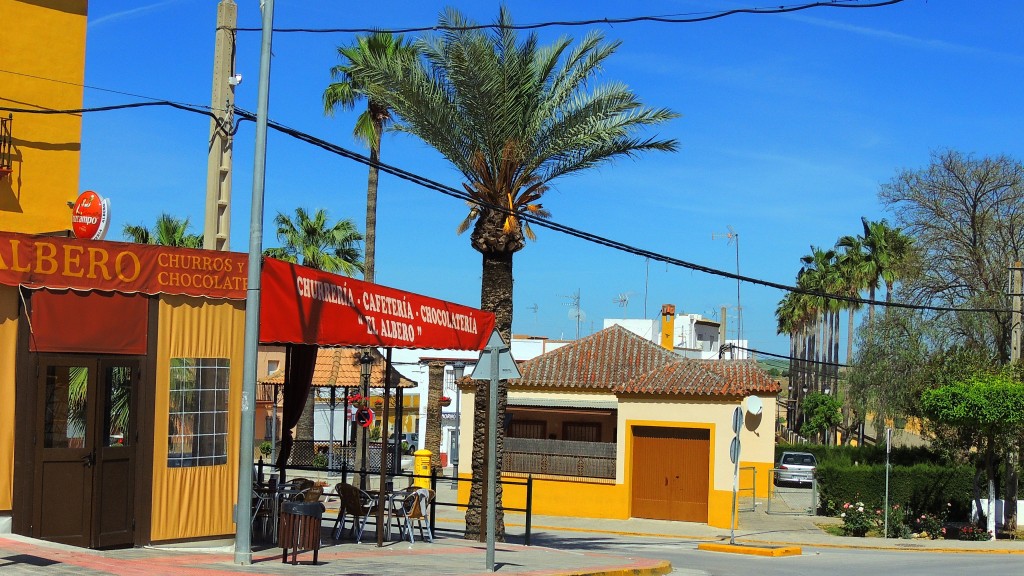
{"type": "Point", "coordinates": [790, 123]}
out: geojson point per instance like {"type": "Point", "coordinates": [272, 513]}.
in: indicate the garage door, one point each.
{"type": "Point", "coordinates": [670, 473]}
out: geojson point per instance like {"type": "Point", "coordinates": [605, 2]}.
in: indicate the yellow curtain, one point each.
{"type": "Point", "coordinates": [196, 502]}
{"type": "Point", "coordinates": [8, 352]}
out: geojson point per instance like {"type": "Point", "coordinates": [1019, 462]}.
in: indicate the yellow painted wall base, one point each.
{"type": "Point", "coordinates": [748, 549]}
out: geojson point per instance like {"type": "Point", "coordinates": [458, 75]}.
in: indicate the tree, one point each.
{"type": "Point", "coordinates": [890, 368]}
{"type": "Point", "coordinates": [168, 231]}
{"type": "Point", "coordinates": [822, 414]}
{"type": "Point", "coordinates": [311, 241]}
{"type": "Point", "coordinates": [992, 405]}
{"type": "Point", "coordinates": [966, 215]}
{"type": "Point", "coordinates": [511, 116]}
{"type": "Point", "coordinates": [347, 88]}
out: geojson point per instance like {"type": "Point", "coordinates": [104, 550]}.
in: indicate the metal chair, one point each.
{"type": "Point", "coordinates": [415, 507]}
{"type": "Point", "coordinates": [356, 503]}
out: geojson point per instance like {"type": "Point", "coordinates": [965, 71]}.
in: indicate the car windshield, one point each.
{"type": "Point", "coordinates": [799, 459]}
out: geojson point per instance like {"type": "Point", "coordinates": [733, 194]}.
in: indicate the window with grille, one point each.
{"type": "Point", "coordinates": [528, 429]}
{"type": "Point", "coordinates": [582, 431]}
{"type": "Point", "coordinates": [198, 412]}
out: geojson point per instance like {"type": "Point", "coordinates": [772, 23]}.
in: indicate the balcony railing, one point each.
{"type": "Point", "coordinates": [560, 457]}
{"type": "Point", "coordinates": [6, 167]}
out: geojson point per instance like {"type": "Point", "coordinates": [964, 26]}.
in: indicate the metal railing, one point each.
{"type": "Point", "coordinates": [321, 455]}
{"type": "Point", "coordinates": [793, 500]}
{"type": "Point", "coordinates": [559, 457]}
{"type": "Point", "coordinates": [747, 495]}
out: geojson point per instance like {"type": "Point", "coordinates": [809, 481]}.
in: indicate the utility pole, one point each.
{"type": "Point", "coordinates": [217, 225]}
{"type": "Point", "coordinates": [1016, 292]}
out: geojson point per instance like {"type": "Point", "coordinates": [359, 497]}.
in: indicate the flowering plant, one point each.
{"type": "Point", "coordinates": [972, 532]}
{"type": "Point", "coordinates": [929, 526]}
{"type": "Point", "coordinates": [353, 398]}
{"type": "Point", "coordinates": [445, 399]}
{"type": "Point", "coordinates": [856, 520]}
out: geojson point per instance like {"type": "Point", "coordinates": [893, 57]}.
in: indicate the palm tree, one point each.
{"type": "Point", "coordinates": [347, 88]}
{"type": "Point", "coordinates": [169, 231]}
{"type": "Point", "coordinates": [511, 116]}
{"type": "Point", "coordinates": [313, 242]}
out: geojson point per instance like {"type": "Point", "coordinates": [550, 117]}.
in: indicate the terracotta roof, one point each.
{"type": "Point", "coordinates": [602, 361]}
{"type": "Point", "coordinates": [340, 367]}
{"type": "Point", "coordinates": [704, 378]}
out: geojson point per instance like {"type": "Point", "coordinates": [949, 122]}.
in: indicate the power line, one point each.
{"type": "Point", "coordinates": [686, 18]}
{"type": "Point", "coordinates": [549, 224]}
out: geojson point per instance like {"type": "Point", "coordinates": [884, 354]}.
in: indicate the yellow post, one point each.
{"type": "Point", "coordinates": [421, 468]}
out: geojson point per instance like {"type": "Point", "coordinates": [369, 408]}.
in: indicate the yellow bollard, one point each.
{"type": "Point", "coordinates": [421, 468]}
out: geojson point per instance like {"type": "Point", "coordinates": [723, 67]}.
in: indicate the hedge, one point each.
{"type": "Point", "coordinates": [943, 490]}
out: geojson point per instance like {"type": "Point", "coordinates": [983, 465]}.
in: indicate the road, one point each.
{"type": "Point", "coordinates": [686, 559]}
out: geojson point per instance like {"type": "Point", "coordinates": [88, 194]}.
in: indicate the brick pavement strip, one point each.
{"type": "Point", "coordinates": [19, 555]}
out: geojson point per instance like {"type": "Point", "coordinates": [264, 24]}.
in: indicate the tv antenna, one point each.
{"type": "Point", "coordinates": [533, 308]}
{"type": "Point", "coordinates": [575, 312]}
{"type": "Point", "coordinates": [732, 236]}
{"type": "Point", "coordinates": [622, 299]}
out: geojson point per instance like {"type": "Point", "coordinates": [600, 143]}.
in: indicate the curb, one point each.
{"type": "Point", "coordinates": [646, 568]}
{"type": "Point", "coordinates": [768, 551]}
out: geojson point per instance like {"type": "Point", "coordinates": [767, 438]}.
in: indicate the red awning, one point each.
{"type": "Point", "coordinates": [300, 305]}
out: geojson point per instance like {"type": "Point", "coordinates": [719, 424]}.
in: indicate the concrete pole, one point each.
{"type": "Point", "coordinates": [1016, 293]}
{"type": "Point", "coordinates": [243, 532]}
{"type": "Point", "coordinates": [217, 224]}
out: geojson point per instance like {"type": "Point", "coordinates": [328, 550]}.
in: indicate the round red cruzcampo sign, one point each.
{"type": "Point", "coordinates": [90, 216]}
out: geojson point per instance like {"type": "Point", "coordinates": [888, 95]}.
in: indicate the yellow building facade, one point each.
{"type": "Point", "coordinates": [43, 48]}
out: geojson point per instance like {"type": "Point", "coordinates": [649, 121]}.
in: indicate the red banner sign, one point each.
{"type": "Point", "coordinates": [302, 305]}
{"type": "Point", "coordinates": [55, 262]}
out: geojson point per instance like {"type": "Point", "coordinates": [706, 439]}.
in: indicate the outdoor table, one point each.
{"type": "Point", "coordinates": [389, 500]}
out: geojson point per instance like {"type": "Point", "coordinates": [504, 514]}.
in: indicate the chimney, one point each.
{"type": "Point", "coordinates": [668, 325]}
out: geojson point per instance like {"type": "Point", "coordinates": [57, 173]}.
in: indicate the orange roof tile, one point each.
{"type": "Point", "coordinates": [340, 367]}
{"type": "Point", "coordinates": [622, 362]}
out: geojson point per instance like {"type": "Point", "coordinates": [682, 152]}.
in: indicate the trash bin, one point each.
{"type": "Point", "coordinates": [300, 528]}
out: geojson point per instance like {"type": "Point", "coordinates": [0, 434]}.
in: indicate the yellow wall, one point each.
{"type": "Point", "coordinates": [42, 41]}
{"type": "Point", "coordinates": [196, 502]}
{"type": "Point", "coordinates": [8, 350]}
{"type": "Point", "coordinates": [612, 499]}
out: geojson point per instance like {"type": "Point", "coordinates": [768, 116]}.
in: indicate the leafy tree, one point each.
{"type": "Point", "coordinates": [966, 215]}
{"type": "Point", "coordinates": [889, 370]}
{"type": "Point", "coordinates": [347, 88]}
{"type": "Point", "coordinates": [168, 231]}
{"type": "Point", "coordinates": [822, 414]}
{"type": "Point", "coordinates": [511, 116]}
{"type": "Point", "coordinates": [992, 406]}
{"type": "Point", "coordinates": [312, 241]}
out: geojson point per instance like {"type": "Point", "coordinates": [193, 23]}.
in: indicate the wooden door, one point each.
{"type": "Point", "coordinates": [670, 473]}
{"type": "Point", "coordinates": [64, 452]}
{"type": "Point", "coordinates": [85, 469]}
{"type": "Point", "coordinates": [114, 475]}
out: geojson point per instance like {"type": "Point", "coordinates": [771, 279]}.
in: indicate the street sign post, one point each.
{"type": "Point", "coordinates": [734, 456]}
{"type": "Point", "coordinates": [495, 363]}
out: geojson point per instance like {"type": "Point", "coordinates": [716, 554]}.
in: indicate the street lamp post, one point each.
{"type": "Point", "coordinates": [365, 366]}
{"type": "Point", "coordinates": [457, 371]}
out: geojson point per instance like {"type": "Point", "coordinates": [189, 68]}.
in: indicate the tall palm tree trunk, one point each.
{"type": "Point", "coordinates": [370, 245]}
{"type": "Point", "coordinates": [432, 437]}
{"type": "Point", "coordinates": [495, 296]}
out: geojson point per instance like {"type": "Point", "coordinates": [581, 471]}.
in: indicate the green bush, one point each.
{"type": "Point", "coordinates": [857, 520]}
{"type": "Point", "coordinates": [320, 461]}
{"type": "Point", "coordinates": [897, 522]}
{"type": "Point", "coordinates": [266, 448]}
{"type": "Point", "coordinates": [929, 525]}
{"type": "Point", "coordinates": [924, 488]}
{"type": "Point", "coordinates": [971, 532]}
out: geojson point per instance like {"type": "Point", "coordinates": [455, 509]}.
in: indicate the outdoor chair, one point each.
{"type": "Point", "coordinates": [300, 529]}
{"type": "Point", "coordinates": [356, 503]}
{"type": "Point", "coordinates": [415, 506]}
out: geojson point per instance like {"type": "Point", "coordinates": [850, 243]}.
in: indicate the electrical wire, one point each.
{"type": "Point", "coordinates": [689, 18]}
{"type": "Point", "coordinates": [424, 182]}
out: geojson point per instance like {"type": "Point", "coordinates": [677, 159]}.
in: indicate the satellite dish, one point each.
{"type": "Point", "coordinates": [754, 405]}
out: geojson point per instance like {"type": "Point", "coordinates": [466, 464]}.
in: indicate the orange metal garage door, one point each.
{"type": "Point", "coordinates": [670, 473]}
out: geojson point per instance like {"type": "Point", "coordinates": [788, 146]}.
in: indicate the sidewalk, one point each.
{"type": "Point", "coordinates": [450, 555]}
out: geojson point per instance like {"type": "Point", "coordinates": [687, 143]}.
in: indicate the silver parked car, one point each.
{"type": "Point", "coordinates": [795, 467]}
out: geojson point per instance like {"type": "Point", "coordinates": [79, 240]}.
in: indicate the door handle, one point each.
{"type": "Point", "coordinates": [89, 459]}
